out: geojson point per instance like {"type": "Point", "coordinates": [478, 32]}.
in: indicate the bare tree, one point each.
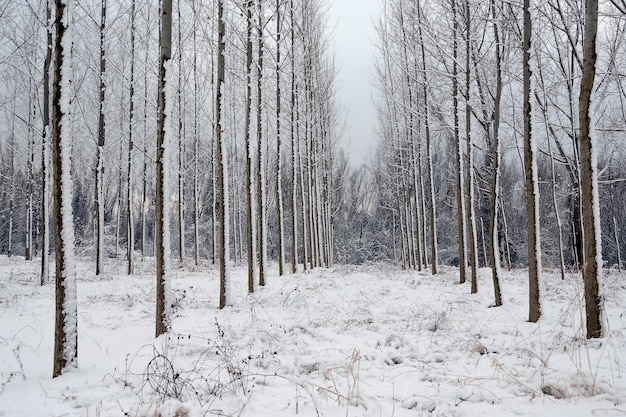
{"type": "Point", "coordinates": [99, 197]}
{"type": "Point", "coordinates": [162, 173]}
{"type": "Point", "coordinates": [221, 159]}
{"type": "Point", "coordinates": [45, 157]}
{"type": "Point", "coordinates": [130, 229]}
{"type": "Point", "coordinates": [592, 267]}
{"type": "Point", "coordinates": [531, 176]}
{"type": "Point", "coordinates": [66, 317]}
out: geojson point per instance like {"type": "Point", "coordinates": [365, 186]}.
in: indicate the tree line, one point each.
{"type": "Point", "coordinates": [223, 116]}
{"type": "Point", "coordinates": [500, 128]}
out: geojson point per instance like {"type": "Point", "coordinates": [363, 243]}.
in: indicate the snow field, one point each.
{"type": "Point", "coordinates": [349, 341]}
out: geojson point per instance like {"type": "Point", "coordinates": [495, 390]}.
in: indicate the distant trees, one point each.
{"type": "Point", "coordinates": [466, 144]}
{"type": "Point", "coordinates": [507, 149]}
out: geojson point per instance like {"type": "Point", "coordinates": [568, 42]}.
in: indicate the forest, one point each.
{"type": "Point", "coordinates": [206, 136]}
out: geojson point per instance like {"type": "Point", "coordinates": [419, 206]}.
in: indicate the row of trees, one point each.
{"type": "Point", "coordinates": [488, 132]}
{"type": "Point", "coordinates": [221, 114]}
{"type": "Point", "coordinates": [227, 107]}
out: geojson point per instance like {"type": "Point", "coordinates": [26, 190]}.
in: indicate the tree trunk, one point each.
{"type": "Point", "coordinates": [531, 176]}
{"type": "Point", "coordinates": [260, 151]}
{"type": "Point", "coordinates": [294, 150]}
{"type": "Point", "coordinates": [221, 160]}
{"type": "Point", "coordinates": [279, 181]}
{"type": "Point", "coordinates": [494, 246]}
{"type": "Point", "coordinates": [181, 148]}
{"type": "Point", "coordinates": [45, 157]}
{"type": "Point", "coordinates": [66, 317]}
{"type": "Point", "coordinates": [592, 266]}
{"type": "Point", "coordinates": [130, 227]}
{"type": "Point", "coordinates": [460, 190]}
{"type": "Point", "coordinates": [100, 153]}
{"type": "Point", "coordinates": [471, 211]}
{"type": "Point", "coordinates": [249, 189]}
{"type": "Point", "coordinates": [162, 232]}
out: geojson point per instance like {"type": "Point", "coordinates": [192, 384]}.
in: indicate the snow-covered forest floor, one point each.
{"type": "Point", "coordinates": [349, 341]}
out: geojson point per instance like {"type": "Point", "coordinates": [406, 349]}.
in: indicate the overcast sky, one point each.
{"type": "Point", "coordinates": [353, 37]}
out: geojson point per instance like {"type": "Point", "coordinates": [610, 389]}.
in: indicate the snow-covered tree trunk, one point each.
{"type": "Point", "coordinates": [592, 267]}
{"type": "Point", "coordinates": [29, 247]}
{"type": "Point", "coordinates": [429, 159]}
{"type": "Point", "coordinates": [181, 148]}
{"type": "Point", "coordinates": [144, 169]}
{"type": "Point", "coordinates": [471, 211]}
{"type": "Point", "coordinates": [261, 198]}
{"type": "Point", "coordinates": [222, 161]}
{"type": "Point", "coordinates": [494, 247]}
{"type": "Point", "coordinates": [45, 156]}
{"type": "Point", "coordinates": [250, 223]}
{"type": "Point", "coordinates": [196, 141]}
{"type": "Point", "coordinates": [460, 190]}
{"type": "Point", "coordinates": [66, 317]}
{"type": "Point", "coordinates": [130, 228]}
{"type": "Point", "coordinates": [294, 149]}
{"type": "Point", "coordinates": [531, 176]}
{"type": "Point", "coordinates": [12, 145]}
{"type": "Point", "coordinates": [100, 151]}
{"type": "Point", "coordinates": [164, 133]}
{"type": "Point", "coordinates": [279, 159]}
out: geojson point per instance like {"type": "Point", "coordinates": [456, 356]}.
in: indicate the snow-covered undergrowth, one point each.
{"type": "Point", "coordinates": [349, 341]}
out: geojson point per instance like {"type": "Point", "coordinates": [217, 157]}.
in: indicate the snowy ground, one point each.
{"type": "Point", "coordinates": [349, 341]}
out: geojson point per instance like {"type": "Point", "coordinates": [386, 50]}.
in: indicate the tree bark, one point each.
{"type": "Point", "coordinates": [531, 177]}
{"type": "Point", "coordinates": [66, 318]}
{"type": "Point", "coordinates": [592, 266]}
{"type": "Point", "coordinates": [162, 232]}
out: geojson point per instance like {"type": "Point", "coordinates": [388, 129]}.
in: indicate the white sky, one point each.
{"type": "Point", "coordinates": [353, 37]}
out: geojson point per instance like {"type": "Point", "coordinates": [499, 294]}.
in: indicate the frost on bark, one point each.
{"type": "Point", "coordinates": [494, 246]}
{"type": "Point", "coordinates": [221, 160]}
{"type": "Point", "coordinates": [45, 159]}
{"type": "Point", "coordinates": [261, 198]}
{"type": "Point", "coordinates": [460, 191]}
{"type": "Point", "coordinates": [131, 117]}
{"type": "Point", "coordinates": [66, 337]}
{"type": "Point", "coordinates": [531, 176]}
{"type": "Point", "coordinates": [592, 266]}
{"type": "Point", "coordinates": [100, 152]}
{"type": "Point", "coordinates": [278, 173]}
{"type": "Point", "coordinates": [162, 231]}
{"type": "Point", "coordinates": [249, 189]}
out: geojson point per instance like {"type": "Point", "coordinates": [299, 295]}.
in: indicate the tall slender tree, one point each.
{"type": "Point", "coordinates": [130, 229]}
{"type": "Point", "coordinates": [592, 267]}
{"type": "Point", "coordinates": [531, 176]}
{"type": "Point", "coordinates": [221, 160]}
{"type": "Point", "coordinates": [45, 156]}
{"type": "Point", "coordinates": [162, 232]}
{"type": "Point", "coordinates": [99, 197]}
{"type": "Point", "coordinates": [66, 317]}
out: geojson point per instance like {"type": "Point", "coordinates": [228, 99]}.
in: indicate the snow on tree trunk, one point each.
{"type": "Point", "coordinates": [494, 246]}
{"type": "Point", "coordinates": [130, 229]}
{"type": "Point", "coordinates": [164, 135]}
{"type": "Point", "coordinates": [100, 151]}
{"type": "Point", "coordinates": [532, 181]}
{"type": "Point", "coordinates": [460, 191]}
{"type": "Point", "coordinates": [279, 184]}
{"type": "Point", "coordinates": [66, 336]}
{"type": "Point", "coordinates": [592, 267]}
{"type": "Point", "coordinates": [261, 198]}
{"type": "Point", "coordinates": [45, 156]}
{"type": "Point", "coordinates": [250, 223]}
{"type": "Point", "coordinates": [222, 163]}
